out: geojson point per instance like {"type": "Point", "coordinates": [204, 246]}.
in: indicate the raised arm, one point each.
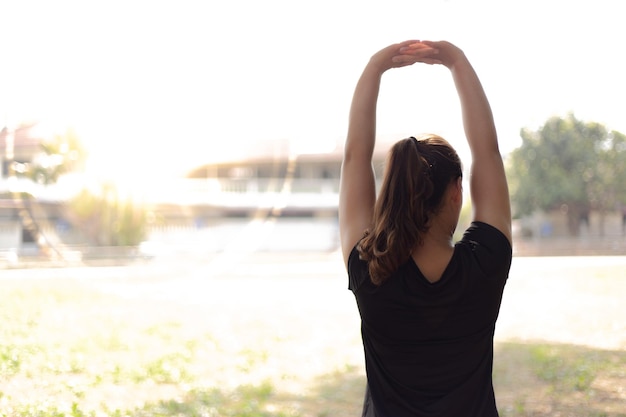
{"type": "Point", "coordinates": [357, 194]}
{"type": "Point", "coordinates": [488, 184]}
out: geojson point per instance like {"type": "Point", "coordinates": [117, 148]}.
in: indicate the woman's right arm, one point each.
{"type": "Point", "coordinates": [357, 191]}
{"type": "Point", "coordinates": [488, 185]}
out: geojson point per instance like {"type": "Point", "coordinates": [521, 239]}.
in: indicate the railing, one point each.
{"type": "Point", "coordinates": [245, 192]}
{"type": "Point", "coordinates": [262, 185]}
{"type": "Point", "coordinates": [263, 192]}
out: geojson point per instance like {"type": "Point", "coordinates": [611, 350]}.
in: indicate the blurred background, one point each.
{"type": "Point", "coordinates": [191, 151]}
{"type": "Point", "coordinates": [127, 123]}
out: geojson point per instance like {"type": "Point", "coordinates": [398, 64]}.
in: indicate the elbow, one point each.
{"type": "Point", "coordinates": [352, 152]}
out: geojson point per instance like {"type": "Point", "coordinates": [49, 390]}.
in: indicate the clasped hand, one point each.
{"type": "Point", "coordinates": [412, 51]}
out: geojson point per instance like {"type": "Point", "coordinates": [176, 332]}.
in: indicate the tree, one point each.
{"type": "Point", "coordinates": [61, 154]}
{"type": "Point", "coordinates": [104, 218]}
{"type": "Point", "coordinates": [570, 165]}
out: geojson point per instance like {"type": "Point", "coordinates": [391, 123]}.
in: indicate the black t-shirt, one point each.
{"type": "Point", "coordinates": [429, 346]}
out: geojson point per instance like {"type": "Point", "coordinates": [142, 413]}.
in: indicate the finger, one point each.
{"type": "Point", "coordinates": [400, 59]}
{"type": "Point", "coordinates": [410, 57]}
{"type": "Point", "coordinates": [415, 55]}
{"type": "Point", "coordinates": [403, 45]}
{"type": "Point", "coordinates": [416, 45]}
{"type": "Point", "coordinates": [421, 50]}
{"type": "Point", "coordinates": [432, 44]}
{"type": "Point", "coordinates": [403, 60]}
{"type": "Point", "coordinates": [408, 43]}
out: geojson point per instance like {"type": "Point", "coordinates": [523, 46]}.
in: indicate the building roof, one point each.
{"type": "Point", "coordinates": [268, 152]}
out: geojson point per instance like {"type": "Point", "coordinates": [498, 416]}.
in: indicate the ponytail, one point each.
{"type": "Point", "coordinates": [416, 177]}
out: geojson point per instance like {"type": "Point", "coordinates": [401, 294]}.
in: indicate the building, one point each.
{"type": "Point", "coordinates": [274, 178]}
{"type": "Point", "coordinates": [269, 182]}
{"type": "Point", "coordinates": [19, 232]}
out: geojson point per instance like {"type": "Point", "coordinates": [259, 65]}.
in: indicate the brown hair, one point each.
{"type": "Point", "coordinates": [416, 177]}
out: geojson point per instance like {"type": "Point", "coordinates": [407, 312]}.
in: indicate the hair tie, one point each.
{"type": "Point", "coordinates": [423, 155]}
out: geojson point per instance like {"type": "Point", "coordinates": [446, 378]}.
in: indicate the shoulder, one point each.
{"type": "Point", "coordinates": [357, 270]}
{"type": "Point", "coordinates": [485, 232]}
{"type": "Point", "coordinates": [488, 246]}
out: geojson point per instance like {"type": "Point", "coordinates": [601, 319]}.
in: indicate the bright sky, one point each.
{"type": "Point", "coordinates": [162, 86]}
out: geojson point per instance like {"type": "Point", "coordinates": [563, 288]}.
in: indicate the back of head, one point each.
{"type": "Point", "coordinates": [416, 177]}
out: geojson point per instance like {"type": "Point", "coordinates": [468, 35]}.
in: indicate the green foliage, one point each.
{"type": "Point", "coordinates": [62, 154]}
{"type": "Point", "coordinates": [565, 369]}
{"type": "Point", "coordinates": [558, 379]}
{"type": "Point", "coordinates": [9, 360]}
{"type": "Point", "coordinates": [244, 401]}
{"type": "Point", "coordinates": [46, 410]}
{"type": "Point", "coordinates": [107, 219]}
{"type": "Point", "coordinates": [570, 165]}
{"type": "Point", "coordinates": [168, 369]}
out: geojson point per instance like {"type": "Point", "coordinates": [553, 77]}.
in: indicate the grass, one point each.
{"type": "Point", "coordinates": [112, 347]}
{"type": "Point", "coordinates": [539, 379]}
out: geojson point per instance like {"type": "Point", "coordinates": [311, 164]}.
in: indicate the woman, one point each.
{"type": "Point", "coordinates": [428, 305]}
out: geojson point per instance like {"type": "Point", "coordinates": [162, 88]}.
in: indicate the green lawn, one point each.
{"type": "Point", "coordinates": [112, 346]}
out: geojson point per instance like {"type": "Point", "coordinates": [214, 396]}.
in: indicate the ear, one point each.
{"type": "Point", "coordinates": [456, 190]}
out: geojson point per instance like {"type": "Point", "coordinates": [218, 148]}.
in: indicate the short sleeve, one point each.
{"type": "Point", "coordinates": [357, 271]}
{"type": "Point", "coordinates": [490, 248]}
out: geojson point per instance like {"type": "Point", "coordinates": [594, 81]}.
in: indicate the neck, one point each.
{"type": "Point", "coordinates": [439, 234]}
